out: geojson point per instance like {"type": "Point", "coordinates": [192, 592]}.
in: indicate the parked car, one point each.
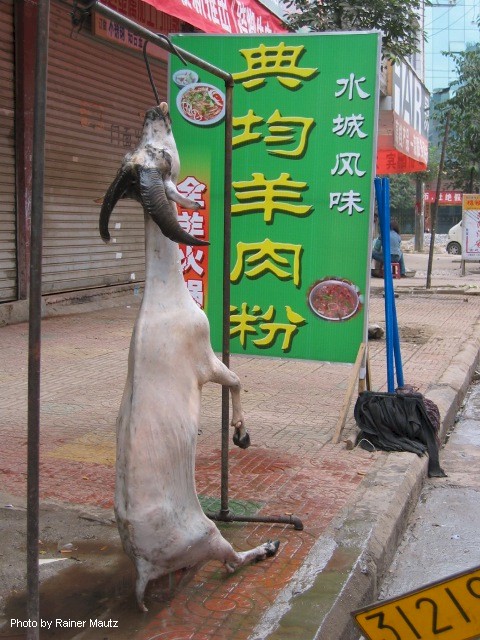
{"type": "Point", "coordinates": [454, 244]}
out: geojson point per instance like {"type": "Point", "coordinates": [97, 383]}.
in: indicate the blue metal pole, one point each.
{"type": "Point", "coordinates": [396, 337]}
{"type": "Point", "coordinates": [396, 349]}
{"type": "Point", "coordinates": [382, 191]}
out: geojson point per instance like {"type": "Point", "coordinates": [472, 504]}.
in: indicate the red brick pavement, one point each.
{"type": "Point", "coordinates": [291, 467]}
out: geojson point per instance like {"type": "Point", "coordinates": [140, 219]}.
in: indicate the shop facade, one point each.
{"type": "Point", "coordinates": [97, 93]}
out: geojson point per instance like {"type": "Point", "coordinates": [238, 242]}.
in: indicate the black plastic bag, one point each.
{"type": "Point", "coordinates": [399, 422]}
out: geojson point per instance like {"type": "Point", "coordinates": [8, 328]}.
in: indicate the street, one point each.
{"type": "Point", "coordinates": [352, 502]}
{"type": "Point", "coordinates": [442, 535]}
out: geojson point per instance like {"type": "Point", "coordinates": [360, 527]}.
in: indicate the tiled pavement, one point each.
{"type": "Point", "coordinates": [292, 466]}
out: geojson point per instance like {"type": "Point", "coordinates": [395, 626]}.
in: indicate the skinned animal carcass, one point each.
{"type": "Point", "coordinates": [160, 520]}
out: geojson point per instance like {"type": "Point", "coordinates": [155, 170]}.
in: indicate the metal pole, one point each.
{"type": "Point", "coordinates": [159, 41]}
{"type": "Point", "coordinates": [433, 213]}
{"type": "Point", "coordinates": [35, 320]}
{"type": "Point", "coordinates": [383, 202]}
{"type": "Point", "coordinates": [227, 241]}
{"type": "Point", "coordinates": [224, 514]}
{"type": "Point", "coordinates": [419, 214]}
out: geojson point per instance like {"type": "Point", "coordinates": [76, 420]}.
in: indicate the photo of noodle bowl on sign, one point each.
{"type": "Point", "coordinates": [201, 103]}
{"type": "Point", "coordinates": [184, 77]}
{"type": "Point", "coordinates": [334, 299]}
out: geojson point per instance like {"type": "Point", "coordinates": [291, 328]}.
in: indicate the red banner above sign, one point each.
{"type": "Point", "coordinates": [446, 197]}
{"type": "Point", "coordinates": [393, 161]}
{"type": "Point", "coordinates": [222, 16]}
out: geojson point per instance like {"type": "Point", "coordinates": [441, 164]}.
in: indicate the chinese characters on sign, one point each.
{"type": "Point", "coordinates": [195, 259]}
{"type": "Point", "coordinates": [303, 157]}
{"type": "Point", "coordinates": [471, 227]}
{"type": "Point", "coordinates": [219, 16]}
{"type": "Point", "coordinates": [140, 12]}
{"type": "Point", "coordinates": [446, 197]}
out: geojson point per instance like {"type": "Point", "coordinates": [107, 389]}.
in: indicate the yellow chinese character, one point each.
{"type": "Point", "coordinates": [273, 328]}
{"type": "Point", "coordinates": [247, 122]}
{"type": "Point", "coordinates": [279, 61]}
{"type": "Point", "coordinates": [244, 320]}
{"type": "Point", "coordinates": [282, 132]}
{"type": "Point", "coordinates": [266, 194]}
{"type": "Point", "coordinates": [266, 254]}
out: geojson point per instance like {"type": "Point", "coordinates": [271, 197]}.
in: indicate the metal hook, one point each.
{"type": "Point", "coordinates": [173, 49]}
{"type": "Point", "coordinates": [149, 71]}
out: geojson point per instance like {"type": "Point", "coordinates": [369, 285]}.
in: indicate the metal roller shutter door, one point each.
{"type": "Point", "coordinates": [8, 249]}
{"type": "Point", "coordinates": [97, 97]}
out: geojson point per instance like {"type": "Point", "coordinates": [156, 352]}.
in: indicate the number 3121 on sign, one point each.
{"type": "Point", "coordinates": [448, 608]}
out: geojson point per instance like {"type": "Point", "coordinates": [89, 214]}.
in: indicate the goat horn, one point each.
{"type": "Point", "coordinates": [160, 209]}
{"type": "Point", "coordinates": [114, 192]}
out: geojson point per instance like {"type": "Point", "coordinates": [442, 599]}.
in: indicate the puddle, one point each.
{"type": "Point", "coordinates": [92, 598]}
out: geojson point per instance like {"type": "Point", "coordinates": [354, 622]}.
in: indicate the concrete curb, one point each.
{"type": "Point", "coordinates": [360, 544]}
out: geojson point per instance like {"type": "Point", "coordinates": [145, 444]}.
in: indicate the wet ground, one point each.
{"type": "Point", "coordinates": [442, 537]}
{"type": "Point", "coordinates": [292, 466]}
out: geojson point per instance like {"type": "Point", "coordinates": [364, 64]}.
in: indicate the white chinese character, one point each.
{"type": "Point", "coordinates": [196, 291]}
{"type": "Point", "coordinates": [346, 159]}
{"type": "Point", "coordinates": [350, 201]}
{"type": "Point", "coordinates": [212, 11]}
{"type": "Point", "coordinates": [199, 7]}
{"type": "Point", "coordinates": [241, 14]}
{"type": "Point", "coordinates": [191, 188]}
{"type": "Point", "coordinates": [251, 24]}
{"type": "Point", "coordinates": [223, 14]}
{"type": "Point", "coordinates": [350, 125]}
{"type": "Point", "coordinates": [351, 83]}
{"type": "Point", "coordinates": [191, 261]}
{"type": "Point", "coordinates": [192, 223]}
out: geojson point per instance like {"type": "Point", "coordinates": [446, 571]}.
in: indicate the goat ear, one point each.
{"type": "Point", "coordinates": [160, 209]}
{"type": "Point", "coordinates": [114, 192]}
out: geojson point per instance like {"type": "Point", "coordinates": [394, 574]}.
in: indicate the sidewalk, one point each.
{"type": "Point", "coordinates": [353, 503]}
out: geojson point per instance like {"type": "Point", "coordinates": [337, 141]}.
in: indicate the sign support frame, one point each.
{"type": "Point", "coordinates": [224, 515]}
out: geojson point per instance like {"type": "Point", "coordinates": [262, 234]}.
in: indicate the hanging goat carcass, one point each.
{"type": "Point", "coordinates": [160, 520]}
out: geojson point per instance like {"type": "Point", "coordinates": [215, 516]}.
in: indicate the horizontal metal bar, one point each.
{"type": "Point", "coordinates": [229, 517]}
{"type": "Point", "coordinates": [162, 42]}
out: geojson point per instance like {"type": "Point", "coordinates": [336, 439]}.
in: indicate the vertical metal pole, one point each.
{"type": "Point", "coordinates": [419, 215]}
{"type": "Point", "coordinates": [433, 213]}
{"type": "Point", "coordinates": [388, 283]}
{"type": "Point", "coordinates": [35, 318]}
{"type": "Point", "coordinates": [227, 241]}
{"type": "Point", "coordinates": [383, 204]}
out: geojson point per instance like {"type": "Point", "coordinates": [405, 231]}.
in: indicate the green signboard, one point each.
{"type": "Point", "coordinates": [304, 146]}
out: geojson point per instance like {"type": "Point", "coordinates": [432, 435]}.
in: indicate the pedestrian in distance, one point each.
{"type": "Point", "coordinates": [396, 253]}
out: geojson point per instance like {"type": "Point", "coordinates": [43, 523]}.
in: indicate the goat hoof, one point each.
{"type": "Point", "coordinates": [244, 442]}
{"type": "Point", "coordinates": [271, 548]}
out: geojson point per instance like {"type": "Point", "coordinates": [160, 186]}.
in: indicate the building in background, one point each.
{"type": "Point", "coordinates": [450, 25]}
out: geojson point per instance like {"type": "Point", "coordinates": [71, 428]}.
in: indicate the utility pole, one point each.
{"type": "Point", "coordinates": [433, 214]}
{"type": "Point", "coordinates": [419, 214]}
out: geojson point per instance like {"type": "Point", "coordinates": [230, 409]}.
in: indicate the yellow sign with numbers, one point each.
{"type": "Point", "coordinates": [447, 609]}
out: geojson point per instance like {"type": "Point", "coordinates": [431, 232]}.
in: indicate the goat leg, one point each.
{"type": "Point", "coordinates": [239, 558]}
{"type": "Point", "coordinates": [224, 376]}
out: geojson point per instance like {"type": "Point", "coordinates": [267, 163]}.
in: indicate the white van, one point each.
{"type": "Point", "coordinates": [454, 243]}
